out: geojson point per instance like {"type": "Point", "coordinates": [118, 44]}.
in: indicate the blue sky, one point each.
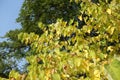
{"type": "Point", "coordinates": [9, 11]}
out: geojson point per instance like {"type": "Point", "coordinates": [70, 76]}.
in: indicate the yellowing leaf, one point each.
{"type": "Point", "coordinates": [109, 11]}
{"type": "Point", "coordinates": [80, 17]}
{"type": "Point", "coordinates": [97, 73]}
{"type": "Point", "coordinates": [77, 62]}
{"type": "Point", "coordinates": [92, 53]}
{"type": "Point", "coordinates": [110, 30]}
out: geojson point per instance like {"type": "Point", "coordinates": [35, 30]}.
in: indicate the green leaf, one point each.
{"type": "Point", "coordinates": [92, 53]}
{"type": "Point", "coordinates": [56, 76]}
{"type": "Point", "coordinates": [114, 69]}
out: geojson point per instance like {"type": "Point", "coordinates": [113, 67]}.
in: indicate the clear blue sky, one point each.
{"type": "Point", "coordinates": [9, 11]}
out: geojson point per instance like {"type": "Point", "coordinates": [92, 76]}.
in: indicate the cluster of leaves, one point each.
{"type": "Point", "coordinates": [31, 13]}
{"type": "Point", "coordinates": [70, 57]}
{"type": "Point", "coordinates": [67, 49]}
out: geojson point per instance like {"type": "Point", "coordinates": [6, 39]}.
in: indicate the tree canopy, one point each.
{"type": "Point", "coordinates": [65, 39]}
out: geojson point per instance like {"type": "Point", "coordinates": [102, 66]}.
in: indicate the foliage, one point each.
{"type": "Point", "coordinates": [11, 52]}
{"type": "Point", "coordinates": [114, 69]}
{"type": "Point", "coordinates": [73, 46]}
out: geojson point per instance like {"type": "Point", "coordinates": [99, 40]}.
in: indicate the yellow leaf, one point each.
{"type": "Point", "coordinates": [109, 11]}
{"type": "Point", "coordinates": [80, 17]}
{"type": "Point", "coordinates": [110, 30]}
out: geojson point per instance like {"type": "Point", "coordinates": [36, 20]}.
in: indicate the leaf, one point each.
{"type": "Point", "coordinates": [56, 76]}
{"type": "Point", "coordinates": [80, 17]}
{"type": "Point", "coordinates": [77, 62]}
{"type": "Point", "coordinates": [114, 69]}
{"type": "Point", "coordinates": [101, 55]}
{"type": "Point", "coordinates": [92, 54]}
{"type": "Point", "coordinates": [109, 11]}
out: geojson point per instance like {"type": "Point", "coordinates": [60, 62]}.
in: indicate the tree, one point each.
{"type": "Point", "coordinates": [29, 18]}
{"type": "Point", "coordinates": [65, 44]}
